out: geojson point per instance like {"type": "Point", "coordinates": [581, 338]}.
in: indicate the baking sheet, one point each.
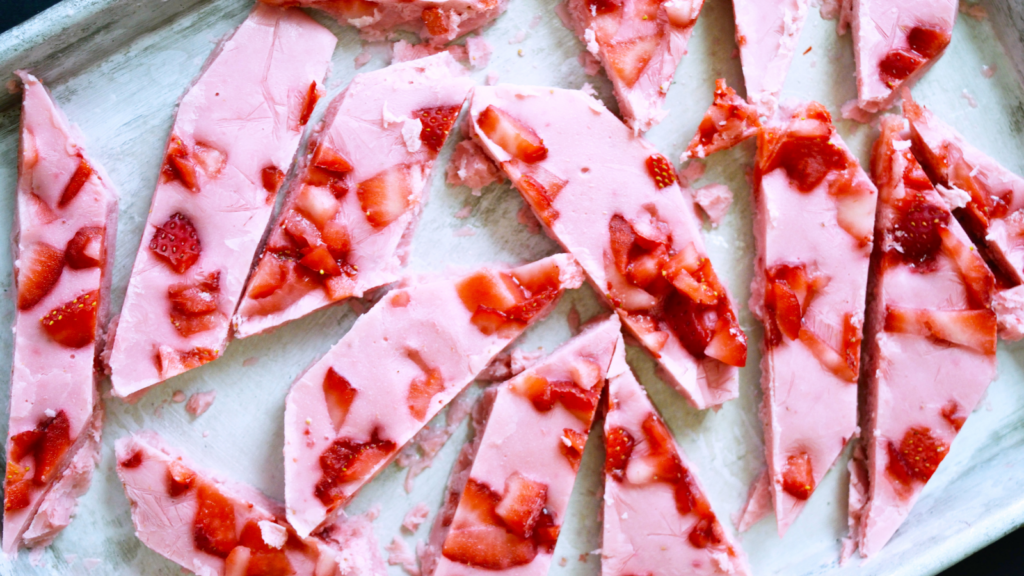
{"type": "Point", "coordinates": [117, 68]}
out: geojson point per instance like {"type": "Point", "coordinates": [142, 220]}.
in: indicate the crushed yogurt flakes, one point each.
{"type": "Point", "coordinates": [200, 402]}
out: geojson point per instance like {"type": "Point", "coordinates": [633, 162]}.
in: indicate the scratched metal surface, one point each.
{"type": "Point", "coordinates": [117, 67]}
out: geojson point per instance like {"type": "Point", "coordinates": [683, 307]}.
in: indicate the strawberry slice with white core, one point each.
{"type": "Point", "coordinates": [39, 268]}
{"type": "Point", "coordinates": [930, 337]}
{"type": "Point", "coordinates": [386, 196]}
{"type": "Point", "coordinates": [514, 137]}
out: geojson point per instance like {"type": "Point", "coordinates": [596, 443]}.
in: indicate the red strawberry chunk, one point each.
{"type": "Point", "coordinates": [662, 455]}
{"type": "Point", "coordinates": [928, 42]}
{"type": "Point", "coordinates": [598, 7]}
{"type": "Point", "coordinates": [17, 490]}
{"type": "Point", "coordinates": [479, 537]}
{"type": "Point", "coordinates": [272, 177]}
{"type": "Point", "coordinates": [52, 446]}
{"type": "Point", "coordinates": [386, 196]}
{"type": "Point", "coordinates": [39, 267]}
{"type": "Point", "coordinates": [179, 165]}
{"type": "Point", "coordinates": [24, 443]}
{"type": "Point", "coordinates": [917, 456]}
{"type": "Point", "coordinates": [214, 530]}
{"type": "Point", "coordinates": [618, 449]}
{"type": "Point", "coordinates": [797, 476]}
{"type": "Point", "coordinates": [512, 135]}
{"type": "Point", "coordinates": [521, 505]}
{"type": "Point", "coordinates": [536, 389]}
{"type": "Point", "coordinates": [313, 95]}
{"type": "Point", "coordinates": [897, 65]}
{"type": "Point", "coordinates": [628, 58]}
{"type": "Point", "coordinates": [303, 233]}
{"type": "Point", "coordinates": [264, 560]}
{"type": "Point", "coordinates": [195, 299]}
{"type": "Point", "coordinates": [807, 160]}
{"type": "Point", "coordinates": [661, 171]}
{"type": "Point", "coordinates": [978, 278]}
{"type": "Point", "coordinates": [331, 160]}
{"type": "Point", "coordinates": [339, 394]}
{"type": "Point", "coordinates": [540, 198]}
{"type": "Point", "coordinates": [784, 308]}
{"type": "Point", "coordinates": [176, 243]}
{"type": "Point", "coordinates": [580, 402]}
{"type": "Point", "coordinates": [707, 532]}
{"type": "Point", "coordinates": [729, 121]}
{"type": "Point", "coordinates": [321, 262]}
{"type": "Point", "coordinates": [269, 276]}
{"type": "Point", "coordinates": [853, 335]}
{"type": "Point", "coordinates": [346, 460]}
{"type": "Point", "coordinates": [689, 498]}
{"type": "Point", "coordinates": [75, 184]}
{"type": "Point", "coordinates": [133, 461]}
{"type": "Point", "coordinates": [436, 21]}
{"type": "Point", "coordinates": [422, 390]}
{"type": "Point", "coordinates": [437, 123]}
{"type": "Point", "coordinates": [318, 204]}
{"type": "Point", "coordinates": [86, 249]}
{"type": "Point", "coordinates": [692, 323]}
{"type": "Point", "coordinates": [729, 344]}
{"type": "Point", "coordinates": [917, 231]}
{"type": "Point", "coordinates": [622, 240]}
{"type": "Point", "coordinates": [974, 329]}
{"type": "Point", "coordinates": [179, 479]}
{"type": "Point", "coordinates": [953, 413]}
{"type": "Point", "coordinates": [73, 324]}
{"type": "Point", "coordinates": [572, 446]}
{"type": "Point", "coordinates": [342, 286]}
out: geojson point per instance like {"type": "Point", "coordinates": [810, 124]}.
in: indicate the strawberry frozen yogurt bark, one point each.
{"type": "Point", "coordinates": [234, 136]}
{"type": "Point", "coordinates": [436, 21]}
{"type": "Point", "coordinates": [345, 418]}
{"type": "Point", "coordinates": [728, 121]}
{"type": "Point", "coordinates": [894, 44]}
{"type": "Point", "coordinates": [349, 215]}
{"type": "Point", "coordinates": [214, 527]}
{"type": "Point", "coordinates": [508, 494]}
{"type": "Point", "coordinates": [640, 43]}
{"type": "Point", "coordinates": [814, 226]}
{"type": "Point", "coordinates": [931, 340]}
{"type": "Point", "coordinates": [66, 220]}
{"type": "Point", "coordinates": [767, 32]}
{"type": "Point", "coordinates": [618, 208]}
{"type": "Point", "coordinates": [987, 198]}
{"type": "Point", "coordinates": [655, 511]}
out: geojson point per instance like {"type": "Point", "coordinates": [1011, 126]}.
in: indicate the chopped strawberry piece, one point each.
{"type": "Point", "coordinates": [622, 240]}
{"type": "Point", "coordinates": [53, 445]}
{"type": "Point", "coordinates": [597, 7]}
{"type": "Point", "coordinates": [541, 199]}
{"type": "Point", "coordinates": [807, 160]}
{"type": "Point", "coordinates": [321, 262]}
{"type": "Point", "coordinates": [837, 362]}
{"type": "Point", "coordinates": [618, 449]}
{"type": "Point", "coordinates": [897, 65]}
{"type": "Point", "coordinates": [978, 279]}
{"type": "Point", "coordinates": [133, 461]}
{"type": "Point", "coordinates": [386, 196]}
{"type": "Point", "coordinates": [784, 309]}
{"type": "Point", "coordinates": [422, 390]}
{"type": "Point", "coordinates": [572, 446]}
{"type": "Point", "coordinates": [729, 121]}
{"type": "Point", "coordinates": [662, 456]}
{"type": "Point", "coordinates": [73, 324]}
{"type": "Point", "coordinates": [437, 122]}
{"type": "Point", "coordinates": [521, 505]}
{"type": "Point", "coordinates": [689, 498]}
{"type": "Point", "coordinates": [647, 329]}
{"type": "Point", "coordinates": [346, 460]}
{"type": "Point", "coordinates": [17, 490]}
{"type": "Point", "coordinates": [580, 402]}
{"type": "Point", "coordinates": [490, 289]}
{"type": "Point", "coordinates": [706, 532]}
{"type": "Point", "coordinates": [272, 177]}
{"type": "Point", "coordinates": [24, 443]}
{"type": "Point", "coordinates": [339, 394]}
{"type": "Point", "coordinates": [661, 170]}
{"type": "Point", "coordinates": [189, 326]}
{"type": "Point", "coordinates": [528, 309]}
{"type": "Point", "coordinates": [176, 242]}
{"type": "Point", "coordinates": [303, 232]}
{"type": "Point", "coordinates": [917, 232]}
{"type": "Point", "coordinates": [179, 479]}
{"type": "Point", "coordinates": [86, 248]}
{"type": "Point", "coordinates": [629, 58]}
{"type": "Point", "coordinates": [337, 238]}
{"type": "Point", "coordinates": [39, 267]}
{"type": "Point", "coordinates": [270, 275]}
{"type": "Point", "coordinates": [953, 413]}
{"type": "Point", "coordinates": [917, 456]}
{"type": "Point", "coordinates": [797, 477]}
{"type": "Point", "coordinates": [692, 323]}
{"type": "Point", "coordinates": [342, 286]}
{"type": "Point", "coordinates": [481, 539]}
{"type": "Point", "coordinates": [974, 329]}
{"type": "Point", "coordinates": [264, 560]}
{"type": "Point", "coordinates": [788, 294]}
{"type": "Point", "coordinates": [729, 344]}
{"type": "Point", "coordinates": [853, 335]}
{"type": "Point", "coordinates": [928, 42]}
{"type": "Point", "coordinates": [179, 165]}
{"type": "Point", "coordinates": [436, 21]}
{"type": "Point", "coordinates": [513, 136]}
{"type": "Point", "coordinates": [75, 184]}
{"type": "Point", "coordinates": [171, 362]}
{"type": "Point", "coordinates": [195, 299]}
{"type": "Point", "coordinates": [330, 159]}
{"type": "Point", "coordinates": [536, 389]}
{"type": "Point", "coordinates": [313, 95]}
{"type": "Point", "coordinates": [213, 530]}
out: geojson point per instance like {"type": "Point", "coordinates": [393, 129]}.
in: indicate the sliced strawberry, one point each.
{"type": "Point", "coordinates": [540, 198]}
{"type": "Point", "coordinates": [661, 463]}
{"type": "Point", "coordinates": [528, 309]}
{"type": "Point", "coordinates": [195, 299]}
{"type": "Point", "coordinates": [264, 560]}
{"type": "Point", "coordinates": [213, 530]}
{"type": "Point", "coordinates": [692, 323]}
{"type": "Point", "coordinates": [661, 171]}
{"type": "Point", "coordinates": [536, 389]}
{"type": "Point", "coordinates": [179, 479]}
{"type": "Point", "coordinates": [784, 308]}
{"type": "Point", "coordinates": [436, 21]}
{"type": "Point", "coordinates": [897, 65]}
{"type": "Point", "coordinates": [647, 329]}
{"type": "Point", "coordinates": [386, 196]}
{"type": "Point", "coordinates": [303, 233]}
{"type": "Point", "coordinates": [975, 329]}
{"type": "Point", "coordinates": [629, 58]}
{"type": "Point", "coordinates": [953, 413]}
{"type": "Point", "coordinates": [177, 243]}
{"type": "Point", "coordinates": [343, 286]}
{"type": "Point", "coordinates": [622, 240]}
{"type": "Point", "coordinates": [17, 490]}
{"type": "Point", "coordinates": [572, 446]}
{"type": "Point", "coordinates": [928, 42]}
{"type": "Point", "coordinates": [53, 445]}
{"type": "Point", "coordinates": [521, 504]}
{"type": "Point", "coordinates": [327, 158]}
{"type": "Point", "coordinates": [133, 461]}
{"type": "Point", "coordinates": [24, 443]}
{"type": "Point", "coordinates": [598, 7]}
{"type": "Point", "coordinates": [729, 121]}
{"type": "Point", "coordinates": [807, 159]}
{"type": "Point", "coordinates": [479, 538]}
{"type": "Point", "coordinates": [321, 262]}
{"type": "Point", "coordinates": [618, 449]}
{"type": "Point", "coordinates": [512, 135]}
{"type": "Point", "coordinates": [272, 177]}
{"type": "Point", "coordinates": [693, 276]}
{"type": "Point", "coordinates": [978, 279]}
{"type": "Point", "coordinates": [339, 395]}
{"type": "Point", "coordinates": [346, 460]}
{"type": "Point", "coordinates": [836, 362]}
{"type": "Point", "coordinates": [171, 362]}
{"type": "Point", "coordinates": [313, 95]}
{"type": "Point", "coordinates": [797, 476]}
{"type": "Point", "coordinates": [73, 324]}
{"type": "Point", "coordinates": [917, 456]}
{"type": "Point", "coordinates": [580, 402]}
{"type": "Point", "coordinates": [853, 335]}
{"type": "Point", "coordinates": [437, 123]}
{"type": "Point", "coordinates": [39, 267]}
{"type": "Point", "coordinates": [729, 344]}
{"type": "Point", "coordinates": [496, 291]}
{"type": "Point", "coordinates": [75, 184]}
{"type": "Point", "coordinates": [336, 237]}
{"type": "Point", "coordinates": [270, 275]}
{"type": "Point", "coordinates": [179, 165]}
{"type": "Point", "coordinates": [86, 248]}
{"type": "Point", "coordinates": [706, 532]}
{"type": "Point", "coordinates": [917, 231]}
{"type": "Point", "coordinates": [688, 497]}
{"type": "Point", "coordinates": [422, 390]}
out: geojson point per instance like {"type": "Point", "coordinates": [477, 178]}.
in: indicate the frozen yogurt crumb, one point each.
{"type": "Point", "coordinates": [988, 71]}
{"type": "Point", "coordinates": [415, 517]}
{"type": "Point", "coordinates": [178, 397]}
{"type": "Point", "coordinates": [588, 89]}
{"type": "Point", "coordinates": [573, 319]}
{"type": "Point", "coordinates": [464, 212]}
{"type": "Point", "coordinates": [518, 38]}
{"type": "Point", "coordinates": [527, 218]}
{"type": "Point", "coordinates": [273, 533]}
{"type": "Point", "coordinates": [1009, 307]}
{"type": "Point", "coordinates": [563, 561]}
{"type": "Point", "coordinates": [715, 200]}
{"type": "Point", "coordinates": [976, 11]}
{"type": "Point", "coordinates": [250, 361]}
{"type": "Point", "coordinates": [464, 231]}
{"type": "Point", "coordinates": [469, 166]}
{"type": "Point", "coordinates": [362, 58]}
{"type": "Point", "coordinates": [200, 402]}
{"type": "Point", "coordinates": [492, 78]}
{"type": "Point", "coordinates": [970, 99]}
{"type": "Point", "coordinates": [852, 111]}
{"type": "Point", "coordinates": [955, 197]}
{"type": "Point", "coordinates": [479, 51]}
{"type": "Point", "coordinates": [591, 65]}
{"type": "Point", "coordinates": [399, 554]}
{"type": "Point", "coordinates": [693, 171]}
{"type": "Point", "coordinates": [90, 563]}
{"type": "Point", "coordinates": [403, 51]}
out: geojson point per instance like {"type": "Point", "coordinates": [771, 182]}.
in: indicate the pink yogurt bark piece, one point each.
{"type": "Point", "coordinates": [436, 21]}
{"type": "Point", "coordinates": [640, 44]}
{"type": "Point", "coordinates": [349, 215]}
{"type": "Point", "coordinates": [986, 198]}
{"type": "Point", "coordinates": [930, 335]}
{"type": "Point", "coordinates": [215, 527]}
{"type": "Point", "coordinates": [66, 220]}
{"type": "Point", "coordinates": [616, 205]}
{"type": "Point", "coordinates": [345, 418]}
{"type": "Point", "coordinates": [814, 226]}
{"type": "Point", "coordinates": [234, 136]}
{"type": "Point", "coordinates": [508, 493]}
{"type": "Point", "coordinates": [728, 121]}
{"type": "Point", "coordinates": [655, 511]}
{"type": "Point", "coordinates": [767, 32]}
{"type": "Point", "coordinates": [894, 44]}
